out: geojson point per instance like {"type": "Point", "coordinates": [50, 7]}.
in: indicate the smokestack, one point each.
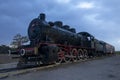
{"type": "Point", "coordinates": [42, 16]}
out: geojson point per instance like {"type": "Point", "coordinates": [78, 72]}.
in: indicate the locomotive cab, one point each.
{"type": "Point", "coordinates": [87, 40]}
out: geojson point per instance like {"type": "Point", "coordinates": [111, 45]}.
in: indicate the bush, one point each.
{"type": "Point", "coordinates": [4, 49]}
{"type": "Point", "coordinates": [117, 52]}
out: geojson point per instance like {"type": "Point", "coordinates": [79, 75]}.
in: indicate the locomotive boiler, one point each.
{"type": "Point", "coordinates": [52, 42]}
{"type": "Point", "coordinates": [41, 31]}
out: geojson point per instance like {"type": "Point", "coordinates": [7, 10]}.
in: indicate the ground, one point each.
{"type": "Point", "coordinates": [5, 58]}
{"type": "Point", "coordinates": [100, 69]}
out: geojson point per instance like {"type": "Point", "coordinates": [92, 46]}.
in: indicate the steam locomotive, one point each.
{"type": "Point", "coordinates": [53, 42]}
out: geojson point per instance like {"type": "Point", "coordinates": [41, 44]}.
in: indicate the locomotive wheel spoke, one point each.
{"type": "Point", "coordinates": [74, 55]}
{"type": "Point", "coordinates": [74, 58]}
{"type": "Point", "coordinates": [59, 61]}
{"type": "Point", "coordinates": [61, 56]}
{"type": "Point", "coordinates": [67, 58]}
{"type": "Point", "coordinates": [85, 54]}
{"type": "Point", "coordinates": [78, 58]}
{"type": "Point", "coordinates": [80, 54]}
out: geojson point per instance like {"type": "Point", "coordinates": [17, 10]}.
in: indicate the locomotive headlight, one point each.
{"type": "Point", "coordinates": [22, 52]}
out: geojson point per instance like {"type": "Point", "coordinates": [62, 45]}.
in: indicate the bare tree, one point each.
{"type": "Point", "coordinates": [18, 40]}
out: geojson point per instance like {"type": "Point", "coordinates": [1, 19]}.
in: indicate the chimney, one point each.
{"type": "Point", "coordinates": [42, 16]}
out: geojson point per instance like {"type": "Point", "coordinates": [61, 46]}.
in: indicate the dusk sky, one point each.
{"type": "Point", "coordinates": [101, 18]}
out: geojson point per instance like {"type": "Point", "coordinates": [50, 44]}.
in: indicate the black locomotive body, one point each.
{"type": "Point", "coordinates": [54, 42]}
{"type": "Point", "coordinates": [41, 31]}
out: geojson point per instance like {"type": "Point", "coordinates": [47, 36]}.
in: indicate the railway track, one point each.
{"type": "Point", "coordinates": [7, 70]}
{"type": "Point", "coordinates": [16, 71]}
{"type": "Point", "coordinates": [42, 66]}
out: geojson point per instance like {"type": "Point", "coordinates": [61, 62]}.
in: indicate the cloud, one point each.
{"type": "Point", "coordinates": [85, 5]}
{"type": "Point", "coordinates": [63, 1]}
{"type": "Point", "coordinates": [100, 18]}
